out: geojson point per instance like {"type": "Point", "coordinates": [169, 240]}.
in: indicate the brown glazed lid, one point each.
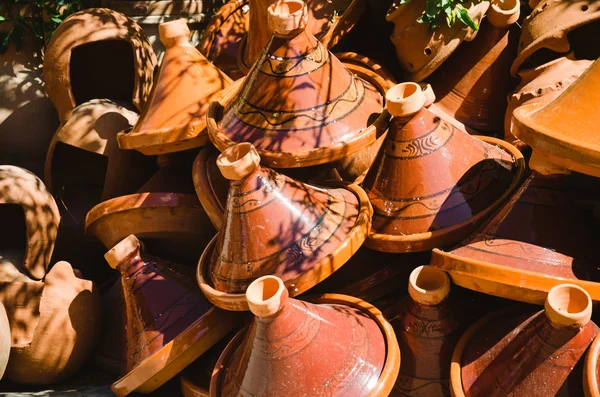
{"type": "Point", "coordinates": [514, 353]}
{"type": "Point", "coordinates": [338, 346]}
{"type": "Point", "coordinates": [560, 130]}
{"type": "Point", "coordinates": [275, 225]}
{"type": "Point", "coordinates": [169, 323]}
{"type": "Point", "coordinates": [174, 117]}
{"type": "Point", "coordinates": [505, 259]}
{"type": "Point", "coordinates": [432, 183]}
{"type": "Point", "coordinates": [299, 105]}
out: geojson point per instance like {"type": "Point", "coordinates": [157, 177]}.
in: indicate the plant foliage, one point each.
{"type": "Point", "coordinates": [436, 11]}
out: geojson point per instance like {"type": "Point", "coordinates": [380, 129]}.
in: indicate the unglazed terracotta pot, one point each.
{"type": "Point", "coordinates": [505, 259]}
{"type": "Point", "coordinates": [559, 130]}
{"type": "Point", "coordinates": [298, 113]}
{"type": "Point", "coordinates": [304, 234]}
{"type": "Point", "coordinates": [94, 54]}
{"type": "Point", "coordinates": [514, 352]}
{"type": "Point", "coordinates": [421, 50]}
{"type": "Point", "coordinates": [227, 44]}
{"type": "Point", "coordinates": [30, 221]}
{"type": "Point", "coordinates": [549, 24]}
{"type": "Point", "coordinates": [428, 324]}
{"type": "Point", "coordinates": [5, 340]}
{"type": "Point", "coordinates": [66, 332]}
{"type": "Point", "coordinates": [168, 322]}
{"type": "Point", "coordinates": [174, 117]}
{"type": "Point", "coordinates": [541, 85]}
{"type": "Point", "coordinates": [472, 85]}
{"type": "Point", "coordinates": [591, 370]}
{"type": "Point", "coordinates": [432, 183]}
{"type": "Point", "coordinates": [337, 346]}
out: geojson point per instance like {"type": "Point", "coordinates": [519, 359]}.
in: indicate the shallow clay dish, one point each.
{"type": "Point", "coordinates": [282, 352]}
{"type": "Point", "coordinates": [591, 370]}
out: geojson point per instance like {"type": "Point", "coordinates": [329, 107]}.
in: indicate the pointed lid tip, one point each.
{"type": "Point", "coordinates": [266, 296]}
{"type": "Point", "coordinates": [238, 161]}
{"type": "Point", "coordinates": [122, 250]}
{"type": "Point", "coordinates": [503, 13]}
{"type": "Point", "coordinates": [406, 99]}
{"type": "Point", "coordinates": [428, 285]}
{"type": "Point", "coordinates": [287, 17]}
{"type": "Point", "coordinates": [568, 305]}
{"type": "Point", "coordinates": [174, 32]}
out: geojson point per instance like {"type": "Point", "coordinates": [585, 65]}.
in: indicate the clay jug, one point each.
{"type": "Point", "coordinates": [516, 353]}
{"type": "Point", "coordinates": [305, 232]}
{"type": "Point", "coordinates": [334, 348]}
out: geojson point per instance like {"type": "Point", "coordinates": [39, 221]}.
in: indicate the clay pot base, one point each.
{"type": "Point", "coordinates": [591, 370]}
{"type": "Point", "coordinates": [450, 235]}
{"type": "Point", "coordinates": [392, 360]}
{"type": "Point", "coordinates": [319, 271]}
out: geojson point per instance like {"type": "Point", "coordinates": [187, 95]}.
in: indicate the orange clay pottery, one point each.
{"type": "Point", "coordinates": [168, 322]}
{"type": "Point", "coordinates": [227, 44]}
{"type": "Point", "coordinates": [5, 340]}
{"type": "Point", "coordinates": [94, 54]}
{"type": "Point", "coordinates": [591, 370]}
{"type": "Point", "coordinates": [275, 225]}
{"type": "Point", "coordinates": [30, 221]}
{"type": "Point", "coordinates": [336, 346]}
{"type": "Point", "coordinates": [422, 50]}
{"type": "Point", "coordinates": [559, 131]}
{"type": "Point", "coordinates": [514, 352]}
{"type": "Point", "coordinates": [432, 183]}
{"type": "Point", "coordinates": [472, 85]}
{"type": "Point", "coordinates": [505, 259]}
{"type": "Point", "coordinates": [174, 117]}
{"type": "Point", "coordinates": [299, 106]}
{"type": "Point", "coordinates": [428, 324]}
{"type": "Point", "coordinates": [66, 332]}
{"type": "Point", "coordinates": [548, 27]}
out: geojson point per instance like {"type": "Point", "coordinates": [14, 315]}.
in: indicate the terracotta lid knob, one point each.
{"type": "Point", "coordinates": [266, 296]}
{"type": "Point", "coordinates": [287, 17]}
{"type": "Point", "coordinates": [428, 285]}
{"type": "Point", "coordinates": [174, 33]}
{"type": "Point", "coordinates": [238, 161]}
{"type": "Point", "coordinates": [503, 13]}
{"type": "Point", "coordinates": [124, 250]}
{"type": "Point", "coordinates": [568, 306]}
{"type": "Point", "coordinates": [405, 99]}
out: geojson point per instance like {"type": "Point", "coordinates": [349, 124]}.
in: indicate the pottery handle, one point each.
{"type": "Point", "coordinates": [266, 296]}
{"type": "Point", "coordinates": [428, 285]}
{"type": "Point", "coordinates": [174, 33]}
{"type": "Point", "coordinates": [405, 99]}
{"type": "Point", "coordinates": [127, 248]}
{"type": "Point", "coordinates": [568, 306]}
{"type": "Point", "coordinates": [238, 161]}
{"type": "Point", "coordinates": [503, 13]}
{"type": "Point", "coordinates": [287, 17]}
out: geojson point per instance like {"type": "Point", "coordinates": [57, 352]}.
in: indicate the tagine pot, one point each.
{"type": "Point", "coordinates": [433, 184]}
{"type": "Point", "coordinates": [472, 85]}
{"type": "Point", "coordinates": [422, 50]}
{"type": "Point", "coordinates": [514, 352]}
{"type": "Point", "coordinates": [302, 113]}
{"type": "Point", "coordinates": [168, 322]}
{"type": "Point", "coordinates": [95, 54]}
{"type": "Point", "coordinates": [306, 232]}
{"type": "Point", "coordinates": [591, 370]}
{"type": "Point", "coordinates": [174, 117]}
{"type": "Point", "coordinates": [65, 331]}
{"type": "Point", "coordinates": [336, 346]}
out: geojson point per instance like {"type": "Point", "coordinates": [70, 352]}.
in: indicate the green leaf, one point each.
{"type": "Point", "coordinates": [56, 19]}
{"type": "Point", "coordinates": [2, 18]}
{"type": "Point", "coordinates": [463, 16]}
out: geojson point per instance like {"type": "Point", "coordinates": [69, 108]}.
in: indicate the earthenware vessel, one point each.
{"type": "Point", "coordinates": [542, 85]}
{"type": "Point", "coordinates": [297, 114]}
{"type": "Point", "coordinates": [306, 232]}
{"type": "Point", "coordinates": [504, 259]}
{"type": "Point", "coordinates": [5, 340]}
{"type": "Point", "coordinates": [559, 130]}
{"type": "Point", "coordinates": [104, 44]}
{"type": "Point", "coordinates": [174, 117]}
{"type": "Point", "coordinates": [591, 370]}
{"type": "Point", "coordinates": [422, 50]}
{"type": "Point", "coordinates": [337, 346]}
{"type": "Point", "coordinates": [432, 183]}
{"type": "Point", "coordinates": [66, 332]}
{"type": "Point", "coordinates": [168, 322]}
{"type": "Point", "coordinates": [473, 83]}
{"type": "Point", "coordinates": [30, 218]}
{"type": "Point", "coordinates": [428, 324]}
{"type": "Point", "coordinates": [110, 354]}
{"type": "Point", "coordinates": [549, 25]}
{"type": "Point", "coordinates": [514, 352]}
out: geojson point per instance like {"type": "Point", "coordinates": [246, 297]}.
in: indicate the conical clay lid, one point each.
{"type": "Point", "coordinates": [275, 225]}
{"type": "Point", "coordinates": [174, 117]}
{"type": "Point", "coordinates": [299, 105]}
{"type": "Point", "coordinates": [432, 181]}
{"type": "Point", "coordinates": [295, 348]}
{"type": "Point", "coordinates": [562, 129]}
